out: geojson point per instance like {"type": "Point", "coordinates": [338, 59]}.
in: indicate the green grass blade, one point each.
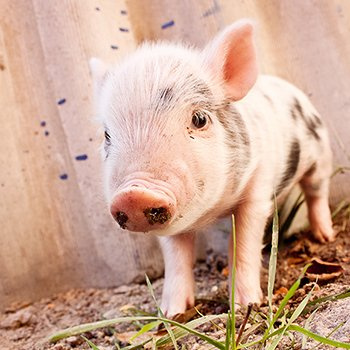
{"type": "Point", "coordinates": [233, 274]}
{"type": "Point", "coordinates": [146, 328]}
{"type": "Point", "coordinates": [228, 331]}
{"type": "Point", "coordinates": [273, 260]}
{"type": "Point", "coordinates": [179, 333]}
{"type": "Point", "coordinates": [328, 335]}
{"type": "Point", "coordinates": [154, 345]}
{"type": "Point", "coordinates": [91, 344]}
{"type": "Point", "coordinates": [297, 328]}
{"type": "Point", "coordinates": [297, 312]}
{"type": "Point", "coordinates": [87, 327]}
{"type": "Point", "coordinates": [341, 205]}
{"type": "Point", "coordinates": [107, 323]}
{"type": "Point", "coordinates": [285, 300]}
{"type": "Point", "coordinates": [212, 322]}
{"type": "Point", "coordinates": [160, 312]}
{"type": "Point", "coordinates": [312, 304]}
{"type": "Point", "coordinates": [260, 341]}
{"type": "Point", "coordinates": [137, 346]}
{"type": "Point", "coordinates": [203, 336]}
{"type": "Point", "coordinates": [151, 291]}
{"type": "Point", "coordinates": [319, 338]}
{"type": "Point", "coordinates": [306, 326]}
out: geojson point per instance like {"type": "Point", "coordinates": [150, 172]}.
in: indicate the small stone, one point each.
{"type": "Point", "coordinates": [121, 290]}
{"type": "Point", "coordinates": [74, 341]}
{"type": "Point", "coordinates": [222, 308]}
{"type": "Point", "coordinates": [111, 314]}
{"type": "Point", "coordinates": [59, 347]}
{"type": "Point", "coordinates": [300, 293]}
{"type": "Point", "coordinates": [18, 319]}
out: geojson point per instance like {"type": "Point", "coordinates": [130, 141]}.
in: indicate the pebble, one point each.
{"type": "Point", "coordinates": [121, 290]}
{"type": "Point", "coordinates": [74, 340]}
{"type": "Point", "coordinates": [111, 314]}
{"type": "Point", "coordinates": [18, 319]}
{"type": "Point", "coordinates": [220, 309]}
{"type": "Point", "coordinates": [59, 347]}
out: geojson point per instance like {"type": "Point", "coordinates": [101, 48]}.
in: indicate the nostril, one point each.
{"type": "Point", "coordinates": [121, 219]}
{"type": "Point", "coordinates": [157, 215]}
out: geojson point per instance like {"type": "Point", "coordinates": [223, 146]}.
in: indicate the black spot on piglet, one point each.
{"type": "Point", "coordinates": [312, 122]}
{"type": "Point", "coordinates": [291, 168]}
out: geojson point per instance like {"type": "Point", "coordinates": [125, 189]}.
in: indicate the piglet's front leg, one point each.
{"type": "Point", "coordinates": [178, 289]}
{"type": "Point", "coordinates": [250, 221]}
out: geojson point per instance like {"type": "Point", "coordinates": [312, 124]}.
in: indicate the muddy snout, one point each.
{"type": "Point", "coordinates": [141, 209]}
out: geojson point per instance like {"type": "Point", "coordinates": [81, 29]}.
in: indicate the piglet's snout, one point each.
{"type": "Point", "coordinates": [141, 209]}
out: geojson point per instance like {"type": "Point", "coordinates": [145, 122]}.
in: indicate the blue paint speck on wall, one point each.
{"type": "Point", "coordinates": [81, 157]}
{"type": "Point", "coordinates": [114, 47]}
{"type": "Point", "coordinates": [43, 123]}
{"type": "Point", "coordinates": [168, 24]}
{"type": "Point", "coordinates": [125, 30]}
{"type": "Point", "coordinates": [61, 101]}
{"type": "Point", "coordinates": [64, 176]}
{"type": "Point", "coordinates": [47, 133]}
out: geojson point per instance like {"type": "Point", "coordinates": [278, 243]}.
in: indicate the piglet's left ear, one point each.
{"type": "Point", "coordinates": [231, 56]}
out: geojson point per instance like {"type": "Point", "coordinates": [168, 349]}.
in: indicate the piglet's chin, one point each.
{"type": "Point", "coordinates": [140, 209]}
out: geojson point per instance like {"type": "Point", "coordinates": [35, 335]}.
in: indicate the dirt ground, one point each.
{"type": "Point", "coordinates": [27, 326]}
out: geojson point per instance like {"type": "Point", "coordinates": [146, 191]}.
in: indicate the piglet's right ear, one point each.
{"type": "Point", "coordinates": [98, 71]}
{"type": "Point", "coordinates": [231, 57]}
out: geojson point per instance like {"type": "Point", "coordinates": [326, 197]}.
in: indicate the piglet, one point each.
{"type": "Point", "coordinates": [194, 135]}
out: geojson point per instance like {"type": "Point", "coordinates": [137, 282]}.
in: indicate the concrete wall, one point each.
{"type": "Point", "coordinates": [55, 230]}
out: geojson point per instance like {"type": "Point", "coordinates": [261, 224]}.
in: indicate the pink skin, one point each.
{"type": "Point", "coordinates": [316, 188]}
{"type": "Point", "coordinates": [151, 202]}
{"type": "Point", "coordinates": [174, 179]}
{"type": "Point", "coordinates": [178, 289]}
{"type": "Point", "coordinates": [320, 219]}
{"type": "Point", "coordinates": [178, 285]}
{"type": "Point", "coordinates": [142, 206]}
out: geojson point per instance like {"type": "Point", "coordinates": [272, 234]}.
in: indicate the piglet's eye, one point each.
{"type": "Point", "coordinates": [107, 138]}
{"type": "Point", "coordinates": [199, 120]}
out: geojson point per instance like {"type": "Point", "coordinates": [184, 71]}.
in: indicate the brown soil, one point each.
{"type": "Point", "coordinates": [26, 326]}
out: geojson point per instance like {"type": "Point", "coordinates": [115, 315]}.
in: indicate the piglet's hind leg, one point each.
{"type": "Point", "coordinates": [315, 185]}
